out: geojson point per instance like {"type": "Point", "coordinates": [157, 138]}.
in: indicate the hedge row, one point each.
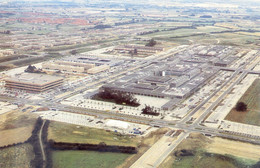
{"type": "Point", "coordinates": [37, 162]}
{"type": "Point", "coordinates": [102, 147]}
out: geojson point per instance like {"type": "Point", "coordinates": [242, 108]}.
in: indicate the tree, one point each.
{"type": "Point", "coordinates": [118, 97]}
{"type": "Point", "coordinates": [241, 106]}
{"type": "Point", "coordinates": [257, 165]}
{"type": "Point", "coordinates": [151, 43]}
{"type": "Point", "coordinates": [33, 69]}
{"type": "Point", "coordinates": [7, 32]}
{"type": "Point", "coordinates": [135, 51]}
{"type": "Point", "coordinates": [73, 52]}
{"type": "Point", "coordinates": [150, 111]}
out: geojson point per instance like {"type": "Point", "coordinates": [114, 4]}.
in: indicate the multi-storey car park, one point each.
{"type": "Point", "coordinates": [33, 82]}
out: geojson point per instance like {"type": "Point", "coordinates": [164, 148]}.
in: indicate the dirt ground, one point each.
{"type": "Point", "coordinates": [17, 135]}
{"type": "Point", "coordinates": [236, 148]}
{"type": "Point", "coordinates": [215, 145]}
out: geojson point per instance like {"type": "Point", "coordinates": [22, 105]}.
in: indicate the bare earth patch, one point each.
{"type": "Point", "coordinates": [13, 136]}
{"type": "Point", "coordinates": [16, 119]}
{"type": "Point", "coordinates": [236, 148]}
{"type": "Point", "coordinates": [16, 126]}
{"type": "Point", "coordinates": [205, 151]}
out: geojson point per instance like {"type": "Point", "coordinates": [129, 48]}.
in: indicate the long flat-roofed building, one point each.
{"type": "Point", "coordinates": [33, 82]}
{"type": "Point", "coordinates": [140, 49]}
{"type": "Point", "coordinates": [98, 69]}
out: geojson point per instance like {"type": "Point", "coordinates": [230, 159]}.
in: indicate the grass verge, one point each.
{"type": "Point", "coordinates": [87, 159]}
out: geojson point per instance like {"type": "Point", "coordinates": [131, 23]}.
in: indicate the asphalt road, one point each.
{"type": "Point", "coordinates": [41, 144]}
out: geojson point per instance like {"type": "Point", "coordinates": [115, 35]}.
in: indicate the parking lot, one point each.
{"type": "Point", "coordinates": [107, 106]}
{"type": "Point", "coordinates": [198, 97]}
{"type": "Point", "coordinates": [5, 107]}
{"type": "Point", "coordinates": [250, 131]}
{"type": "Point", "coordinates": [230, 101]}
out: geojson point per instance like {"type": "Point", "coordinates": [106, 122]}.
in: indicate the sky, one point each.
{"type": "Point", "coordinates": [241, 2]}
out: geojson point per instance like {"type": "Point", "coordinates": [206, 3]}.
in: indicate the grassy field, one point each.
{"type": "Point", "coordinates": [252, 99]}
{"type": "Point", "coordinates": [62, 132]}
{"type": "Point", "coordinates": [187, 32]}
{"type": "Point", "coordinates": [87, 159]}
{"type": "Point", "coordinates": [198, 151]}
{"type": "Point", "coordinates": [208, 35]}
{"type": "Point", "coordinates": [237, 39]}
{"type": "Point", "coordinates": [16, 157]}
{"type": "Point", "coordinates": [71, 133]}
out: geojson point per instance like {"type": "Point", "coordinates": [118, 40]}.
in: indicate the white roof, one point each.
{"type": "Point", "coordinates": [117, 124]}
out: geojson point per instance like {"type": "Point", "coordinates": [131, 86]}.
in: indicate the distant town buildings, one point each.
{"type": "Point", "coordinates": [6, 52]}
{"type": "Point", "coordinates": [81, 64]}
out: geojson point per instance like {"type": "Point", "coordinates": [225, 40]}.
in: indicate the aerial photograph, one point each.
{"type": "Point", "coordinates": [129, 84]}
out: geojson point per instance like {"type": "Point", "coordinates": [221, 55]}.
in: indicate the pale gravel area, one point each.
{"type": "Point", "coordinates": [152, 101]}
{"type": "Point", "coordinates": [6, 107]}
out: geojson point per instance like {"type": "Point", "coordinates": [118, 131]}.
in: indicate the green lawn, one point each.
{"type": "Point", "coordinates": [16, 157]}
{"type": "Point", "coordinates": [187, 32]}
{"type": "Point", "coordinates": [252, 99]}
{"type": "Point", "coordinates": [87, 159]}
{"type": "Point", "coordinates": [62, 132]}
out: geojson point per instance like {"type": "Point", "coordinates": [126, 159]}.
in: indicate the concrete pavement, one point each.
{"type": "Point", "coordinates": [159, 151]}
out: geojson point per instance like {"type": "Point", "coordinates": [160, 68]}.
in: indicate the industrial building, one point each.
{"type": "Point", "coordinates": [92, 59]}
{"type": "Point", "coordinates": [177, 77]}
{"type": "Point", "coordinates": [77, 64]}
{"type": "Point", "coordinates": [98, 69]}
{"type": "Point", "coordinates": [67, 68]}
{"type": "Point", "coordinates": [139, 49]}
{"type": "Point", "coordinates": [33, 82]}
{"type": "Point", "coordinates": [82, 64]}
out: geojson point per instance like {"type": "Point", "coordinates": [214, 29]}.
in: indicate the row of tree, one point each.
{"type": "Point", "coordinates": [241, 106]}
{"type": "Point", "coordinates": [33, 69]}
{"type": "Point", "coordinates": [151, 43]}
{"type": "Point", "coordinates": [119, 97]}
{"type": "Point", "coordinates": [101, 147]}
{"type": "Point", "coordinates": [47, 147]}
{"type": "Point", "coordinates": [34, 141]}
{"type": "Point", "coordinates": [6, 32]}
{"type": "Point", "coordinates": [150, 111]}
